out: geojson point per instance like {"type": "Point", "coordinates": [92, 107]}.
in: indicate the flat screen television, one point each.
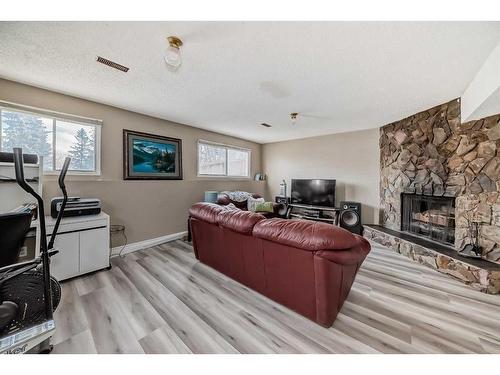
{"type": "Point", "coordinates": [315, 192]}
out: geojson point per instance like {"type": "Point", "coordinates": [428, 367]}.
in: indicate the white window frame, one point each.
{"type": "Point", "coordinates": [226, 147]}
{"type": "Point", "coordinates": [58, 116]}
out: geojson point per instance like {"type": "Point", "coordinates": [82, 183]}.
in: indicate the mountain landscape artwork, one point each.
{"type": "Point", "coordinates": [153, 156]}
{"type": "Point", "coordinates": [149, 156]}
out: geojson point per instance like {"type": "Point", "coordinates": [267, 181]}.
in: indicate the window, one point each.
{"type": "Point", "coordinates": [220, 160]}
{"type": "Point", "coordinates": [53, 138]}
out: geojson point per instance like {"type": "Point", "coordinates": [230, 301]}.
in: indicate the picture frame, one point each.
{"type": "Point", "coordinates": [151, 157]}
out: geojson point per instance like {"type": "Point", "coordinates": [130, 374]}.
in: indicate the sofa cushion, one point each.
{"type": "Point", "coordinates": [303, 234]}
{"type": "Point", "coordinates": [205, 211]}
{"type": "Point", "coordinates": [224, 198]}
{"type": "Point", "coordinates": [253, 202]}
{"type": "Point", "coordinates": [239, 221]}
{"type": "Point", "coordinates": [264, 207]}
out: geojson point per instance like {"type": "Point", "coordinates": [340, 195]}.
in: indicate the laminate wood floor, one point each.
{"type": "Point", "coordinates": [162, 300]}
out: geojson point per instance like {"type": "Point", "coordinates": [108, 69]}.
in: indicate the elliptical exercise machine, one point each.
{"type": "Point", "coordinates": [28, 293]}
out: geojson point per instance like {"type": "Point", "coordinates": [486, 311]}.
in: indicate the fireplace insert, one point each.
{"type": "Point", "coordinates": [429, 217]}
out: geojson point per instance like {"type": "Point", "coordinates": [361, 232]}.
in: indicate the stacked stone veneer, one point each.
{"type": "Point", "coordinates": [479, 278]}
{"type": "Point", "coordinates": [433, 153]}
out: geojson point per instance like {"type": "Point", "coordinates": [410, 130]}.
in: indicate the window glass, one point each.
{"type": "Point", "coordinates": [30, 132]}
{"type": "Point", "coordinates": [78, 142]}
{"type": "Point", "coordinates": [211, 159]}
{"type": "Point", "coordinates": [221, 160]}
{"type": "Point", "coordinates": [237, 162]}
{"type": "Point", "coordinates": [52, 138]}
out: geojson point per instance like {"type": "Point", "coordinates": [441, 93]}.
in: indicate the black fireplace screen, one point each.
{"type": "Point", "coordinates": [429, 216]}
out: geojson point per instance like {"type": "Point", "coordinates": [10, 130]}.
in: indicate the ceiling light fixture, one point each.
{"type": "Point", "coordinates": [173, 55]}
{"type": "Point", "coordinates": [293, 117]}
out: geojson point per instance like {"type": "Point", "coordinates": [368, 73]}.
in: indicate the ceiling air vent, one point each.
{"type": "Point", "coordinates": [265, 125]}
{"type": "Point", "coordinates": [112, 64]}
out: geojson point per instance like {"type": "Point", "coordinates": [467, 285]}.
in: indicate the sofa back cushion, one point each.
{"type": "Point", "coordinates": [205, 211]}
{"type": "Point", "coordinates": [303, 234]}
{"type": "Point", "coordinates": [239, 221]}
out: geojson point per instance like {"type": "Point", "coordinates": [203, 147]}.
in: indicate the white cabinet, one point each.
{"type": "Point", "coordinates": [91, 255]}
{"type": "Point", "coordinates": [63, 265]}
{"type": "Point", "coordinates": [83, 244]}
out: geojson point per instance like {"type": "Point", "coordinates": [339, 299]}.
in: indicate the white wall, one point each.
{"type": "Point", "coordinates": [350, 158]}
{"type": "Point", "coordinates": [481, 98]}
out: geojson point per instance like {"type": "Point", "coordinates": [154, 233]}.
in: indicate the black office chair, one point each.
{"type": "Point", "coordinates": [15, 227]}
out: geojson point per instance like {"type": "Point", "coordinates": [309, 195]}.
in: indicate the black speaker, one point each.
{"type": "Point", "coordinates": [282, 203]}
{"type": "Point", "coordinates": [350, 217]}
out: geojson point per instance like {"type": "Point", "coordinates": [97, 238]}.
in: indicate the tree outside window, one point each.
{"type": "Point", "coordinates": [52, 138]}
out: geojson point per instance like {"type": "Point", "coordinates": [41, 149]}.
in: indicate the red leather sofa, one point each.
{"type": "Point", "coordinates": [307, 266]}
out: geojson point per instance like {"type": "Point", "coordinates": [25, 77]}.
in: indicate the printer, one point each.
{"type": "Point", "coordinates": [75, 206]}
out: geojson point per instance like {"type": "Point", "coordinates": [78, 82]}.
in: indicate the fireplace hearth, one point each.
{"type": "Point", "coordinates": [430, 217]}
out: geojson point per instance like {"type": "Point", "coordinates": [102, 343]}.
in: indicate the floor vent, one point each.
{"type": "Point", "coordinates": [112, 64]}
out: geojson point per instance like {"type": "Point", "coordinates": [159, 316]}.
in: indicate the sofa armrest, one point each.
{"type": "Point", "coordinates": [335, 272]}
{"type": "Point", "coordinates": [355, 255]}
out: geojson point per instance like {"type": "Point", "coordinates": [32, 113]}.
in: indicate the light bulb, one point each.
{"type": "Point", "coordinates": [173, 57]}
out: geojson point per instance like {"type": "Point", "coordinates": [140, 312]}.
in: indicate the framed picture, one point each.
{"type": "Point", "coordinates": [151, 157]}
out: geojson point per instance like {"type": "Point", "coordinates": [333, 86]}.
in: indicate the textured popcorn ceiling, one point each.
{"type": "Point", "coordinates": [340, 76]}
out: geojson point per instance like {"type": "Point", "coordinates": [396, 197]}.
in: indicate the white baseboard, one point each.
{"type": "Point", "coordinates": [131, 247]}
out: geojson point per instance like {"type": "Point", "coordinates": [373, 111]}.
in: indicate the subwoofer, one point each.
{"type": "Point", "coordinates": [350, 217]}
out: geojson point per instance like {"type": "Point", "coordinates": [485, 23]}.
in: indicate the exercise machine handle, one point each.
{"type": "Point", "coordinates": [62, 186]}
{"type": "Point", "coordinates": [62, 174]}
{"type": "Point", "coordinates": [19, 168]}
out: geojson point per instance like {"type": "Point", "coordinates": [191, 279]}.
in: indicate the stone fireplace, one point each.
{"type": "Point", "coordinates": [430, 217]}
{"type": "Point", "coordinates": [437, 176]}
{"type": "Point", "coordinates": [433, 154]}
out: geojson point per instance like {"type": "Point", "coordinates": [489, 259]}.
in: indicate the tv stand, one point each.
{"type": "Point", "coordinates": [316, 213]}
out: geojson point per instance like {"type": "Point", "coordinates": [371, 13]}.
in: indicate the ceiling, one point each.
{"type": "Point", "coordinates": [339, 76]}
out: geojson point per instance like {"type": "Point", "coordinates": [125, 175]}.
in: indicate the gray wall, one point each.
{"type": "Point", "coordinates": [350, 158]}
{"type": "Point", "coordinates": [148, 209]}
